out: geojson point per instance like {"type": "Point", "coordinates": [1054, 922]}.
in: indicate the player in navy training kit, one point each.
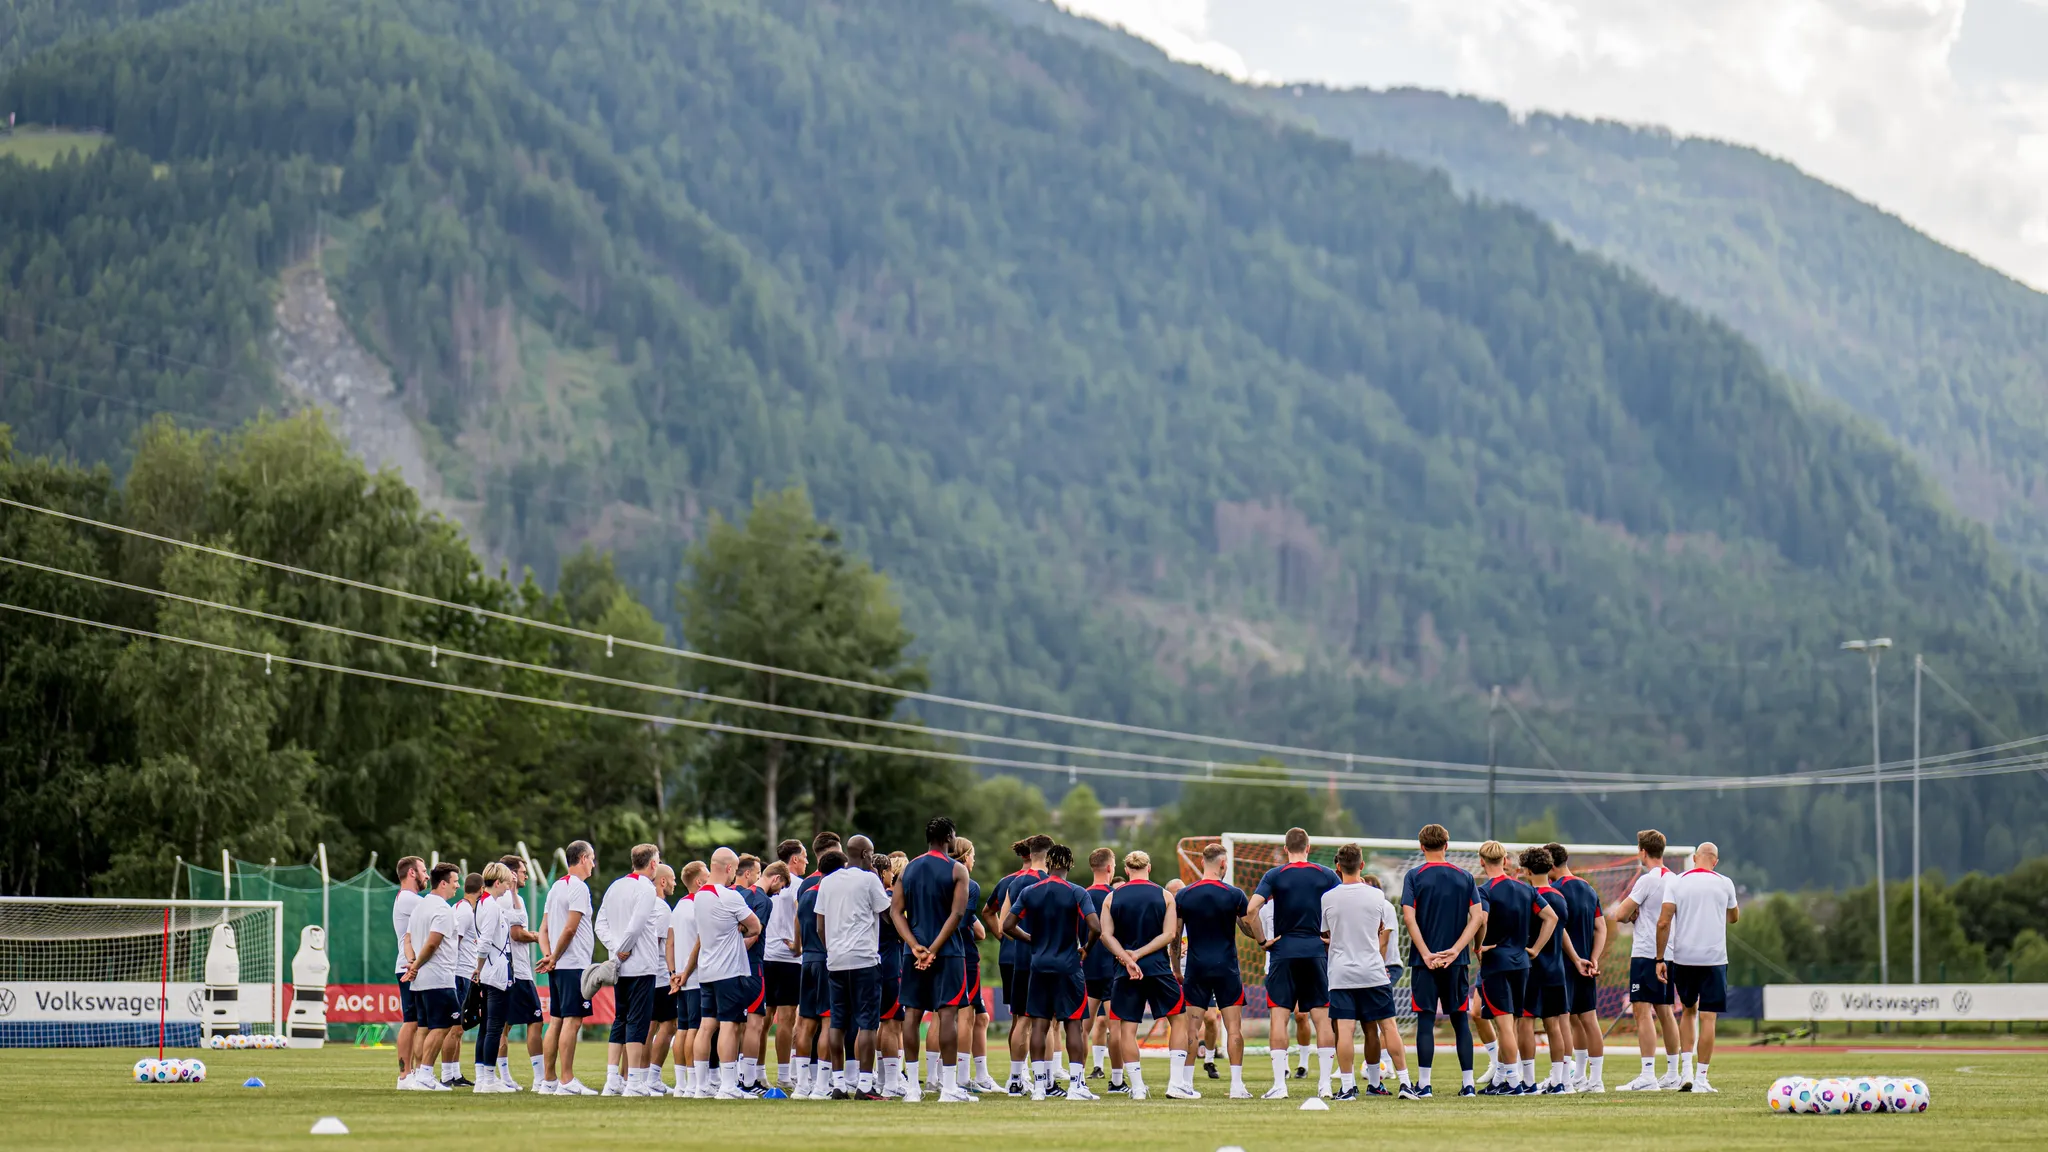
{"type": "Point", "coordinates": [1100, 971]}
{"type": "Point", "coordinates": [971, 930]}
{"type": "Point", "coordinates": [761, 903]}
{"type": "Point", "coordinates": [1213, 913]}
{"type": "Point", "coordinates": [1055, 918]}
{"type": "Point", "coordinates": [1504, 959]}
{"type": "Point", "coordinates": [1440, 904]}
{"type": "Point", "coordinates": [1585, 925]}
{"type": "Point", "coordinates": [1138, 926]}
{"type": "Point", "coordinates": [1552, 958]}
{"type": "Point", "coordinates": [1013, 958]}
{"type": "Point", "coordinates": [929, 905]}
{"type": "Point", "coordinates": [1298, 980]}
{"type": "Point", "coordinates": [814, 987]}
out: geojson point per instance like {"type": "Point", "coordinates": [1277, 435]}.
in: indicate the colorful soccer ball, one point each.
{"type": "Point", "coordinates": [145, 1071]}
{"type": "Point", "coordinates": [1784, 1093]}
{"type": "Point", "coordinates": [1806, 1097]}
{"type": "Point", "coordinates": [163, 1071]}
{"type": "Point", "coordinates": [1865, 1095]}
{"type": "Point", "coordinates": [195, 1070]}
{"type": "Point", "coordinates": [1831, 1097]}
{"type": "Point", "coordinates": [1919, 1098]}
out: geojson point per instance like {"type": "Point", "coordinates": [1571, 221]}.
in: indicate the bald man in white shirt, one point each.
{"type": "Point", "coordinates": [1692, 935]}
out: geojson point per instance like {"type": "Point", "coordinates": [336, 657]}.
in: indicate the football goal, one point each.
{"type": "Point", "coordinates": [103, 973]}
{"type": "Point", "coordinates": [1610, 868]}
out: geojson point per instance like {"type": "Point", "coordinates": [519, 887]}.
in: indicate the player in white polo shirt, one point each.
{"type": "Point", "coordinates": [568, 939]}
{"type": "Point", "coordinates": [625, 924]}
{"type": "Point", "coordinates": [412, 880]}
{"type": "Point", "coordinates": [1357, 920]}
{"type": "Point", "coordinates": [1692, 935]}
{"type": "Point", "coordinates": [1649, 996]}
{"type": "Point", "coordinates": [684, 979]}
{"type": "Point", "coordinates": [726, 928]}
{"type": "Point", "coordinates": [465, 963]}
{"type": "Point", "coordinates": [430, 939]}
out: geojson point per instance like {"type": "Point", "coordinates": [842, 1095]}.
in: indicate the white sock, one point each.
{"type": "Point", "coordinates": [1508, 1075]}
{"type": "Point", "coordinates": [700, 1073]}
{"type": "Point", "coordinates": [1176, 1061]}
{"type": "Point", "coordinates": [1703, 1069]}
{"type": "Point", "coordinates": [963, 1069]}
{"type": "Point", "coordinates": [1492, 1053]}
{"type": "Point", "coordinates": [949, 1078]}
{"type": "Point", "coordinates": [1579, 1063]}
{"type": "Point", "coordinates": [1372, 1076]}
{"type": "Point", "coordinates": [1236, 1077]}
{"type": "Point", "coordinates": [1422, 1077]}
{"type": "Point", "coordinates": [1116, 1076]}
{"type": "Point", "coordinates": [892, 1067]}
{"type": "Point", "coordinates": [801, 1066]}
{"type": "Point", "coordinates": [483, 1072]}
{"type": "Point", "coordinates": [450, 1070]}
{"type": "Point", "coordinates": [539, 1064]}
{"type": "Point", "coordinates": [1279, 1067]}
{"type": "Point", "coordinates": [1077, 1075]}
{"type": "Point", "coordinates": [849, 1075]}
{"type": "Point", "coordinates": [1593, 1064]}
{"type": "Point", "coordinates": [749, 1068]}
{"type": "Point", "coordinates": [611, 1074]}
{"type": "Point", "coordinates": [1403, 1074]}
{"type": "Point", "coordinates": [1326, 1060]}
{"type": "Point", "coordinates": [981, 1067]}
{"type": "Point", "coordinates": [1529, 1070]}
{"type": "Point", "coordinates": [866, 1082]}
{"type": "Point", "coordinates": [504, 1066]}
{"type": "Point", "coordinates": [1466, 1075]}
{"type": "Point", "coordinates": [782, 1075]}
{"type": "Point", "coordinates": [1685, 1064]}
{"type": "Point", "coordinates": [1039, 1072]}
{"type": "Point", "coordinates": [729, 1075]}
{"type": "Point", "coordinates": [931, 1060]}
{"type": "Point", "coordinates": [1650, 1066]}
{"type": "Point", "coordinates": [1347, 1081]}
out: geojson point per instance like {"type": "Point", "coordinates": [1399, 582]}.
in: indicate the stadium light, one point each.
{"type": "Point", "coordinates": [1874, 650]}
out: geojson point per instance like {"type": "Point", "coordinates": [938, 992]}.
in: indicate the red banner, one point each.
{"type": "Point", "coordinates": [378, 1004]}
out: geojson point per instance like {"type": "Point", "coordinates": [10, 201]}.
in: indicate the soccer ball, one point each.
{"type": "Point", "coordinates": [195, 1070]}
{"type": "Point", "coordinates": [145, 1071]}
{"type": "Point", "coordinates": [1784, 1094]}
{"type": "Point", "coordinates": [237, 1040]}
{"type": "Point", "coordinates": [1806, 1097]}
{"type": "Point", "coordinates": [1918, 1096]}
{"type": "Point", "coordinates": [1864, 1095]}
{"type": "Point", "coordinates": [1831, 1097]}
{"type": "Point", "coordinates": [216, 1042]}
{"type": "Point", "coordinates": [163, 1071]}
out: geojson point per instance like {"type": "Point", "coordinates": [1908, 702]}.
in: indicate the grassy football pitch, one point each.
{"type": "Point", "coordinates": [73, 1099]}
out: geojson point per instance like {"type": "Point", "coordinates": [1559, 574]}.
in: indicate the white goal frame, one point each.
{"type": "Point", "coordinates": [200, 915]}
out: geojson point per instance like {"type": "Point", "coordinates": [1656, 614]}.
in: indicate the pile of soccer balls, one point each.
{"type": "Point", "coordinates": [245, 1040]}
{"type": "Point", "coordinates": [169, 1071]}
{"type": "Point", "coordinates": [1840, 1096]}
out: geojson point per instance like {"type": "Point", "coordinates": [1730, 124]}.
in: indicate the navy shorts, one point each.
{"type": "Point", "coordinates": [523, 1003]}
{"type": "Point", "coordinates": [725, 1000]}
{"type": "Point", "coordinates": [814, 994]}
{"type": "Point", "coordinates": [462, 984]}
{"type": "Point", "coordinates": [633, 1008]}
{"type": "Point", "coordinates": [437, 1008]}
{"type": "Point", "coordinates": [1214, 990]}
{"type": "Point", "coordinates": [973, 997]}
{"type": "Point", "coordinates": [942, 985]}
{"type": "Point", "coordinates": [1502, 992]}
{"type": "Point", "coordinates": [1701, 986]}
{"type": "Point", "coordinates": [1581, 993]}
{"type": "Point", "coordinates": [1365, 1005]}
{"type": "Point", "coordinates": [1056, 996]}
{"type": "Point", "coordinates": [1436, 990]}
{"type": "Point", "coordinates": [1100, 987]}
{"type": "Point", "coordinates": [565, 994]}
{"type": "Point", "coordinates": [757, 993]}
{"type": "Point", "coordinates": [1007, 973]}
{"type": "Point", "coordinates": [784, 980]}
{"type": "Point", "coordinates": [1161, 993]}
{"type": "Point", "coordinates": [1017, 989]}
{"type": "Point", "coordinates": [688, 1009]}
{"type": "Point", "coordinates": [1296, 984]}
{"type": "Point", "coordinates": [892, 987]}
{"type": "Point", "coordinates": [1544, 1001]}
{"type": "Point", "coordinates": [1643, 985]}
{"type": "Point", "coordinates": [664, 1003]}
{"type": "Point", "coordinates": [857, 998]}
{"type": "Point", "coordinates": [408, 1011]}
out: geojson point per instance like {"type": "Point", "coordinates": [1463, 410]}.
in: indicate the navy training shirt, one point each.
{"type": "Point", "coordinates": [1139, 913]}
{"type": "Point", "coordinates": [1442, 895]}
{"type": "Point", "coordinates": [1296, 892]}
{"type": "Point", "coordinates": [1581, 917]}
{"type": "Point", "coordinates": [762, 906]}
{"type": "Point", "coordinates": [1210, 911]}
{"type": "Point", "coordinates": [927, 887]}
{"type": "Point", "coordinates": [965, 933]}
{"type": "Point", "coordinates": [807, 919]}
{"type": "Point", "coordinates": [1101, 964]}
{"type": "Point", "coordinates": [1550, 964]}
{"type": "Point", "coordinates": [1053, 911]}
{"type": "Point", "coordinates": [1009, 887]}
{"type": "Point", "coordinates": [1510, 924]}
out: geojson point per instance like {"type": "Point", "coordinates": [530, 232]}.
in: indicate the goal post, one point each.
{"type": "Point", "coordinates": [113, 972]}
{"type": "Point", "coordinates": [1610, 868]}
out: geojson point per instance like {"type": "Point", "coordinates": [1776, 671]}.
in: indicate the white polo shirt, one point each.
{"type": "Point", "coordinates": [401, 921]}
{"type": "Point", "coordinates": [721, 947]}
{"type": "Point", "coordinates": [1648, 893]}
{"type": "Point", "coordinates": [1352, 916]}
{"type": "Point", "coordinates": [465, 936]}
{"type": "Point", "coordinates": [781, 926]}
{"type": "Point", "coordinates": [1266, 925]}
{"type": "Point", "coordinates": [570, 894]}
{"type": "Point", "coordinates": [1700, 900]}
{"type": "Point", "coordinates": [522, 954]}
{"type": "Point", "coordinates": [431, 914]}
{"type": "Point", "coordinates": [849, 901]}
{"type": "Point", "coordinates": [624, 925]}
{"type": "Point", "coordinates": [682, 924]}
{"type": "Point", "coordinates": [494, 940]}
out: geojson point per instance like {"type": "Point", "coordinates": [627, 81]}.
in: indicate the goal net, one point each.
{"type": "Point", "coordinates": [1610, 868]}
{"type": "Point", "coordinates": [102, 973]}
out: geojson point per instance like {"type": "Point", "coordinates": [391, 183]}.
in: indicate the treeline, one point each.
{"type": "Point", "coordinates": [1980, 927]}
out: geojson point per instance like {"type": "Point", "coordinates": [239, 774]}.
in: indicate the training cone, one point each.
{"type": "Point", "coordinates": [1314, 1104]}
{"type": "Point", "coordinates": [329, 1126]}
{"type": "Point", "coordinates": [774, 1094]}
{"type": "Point", "coordinates": [1230, 1148]}
{"type": "Point", "coordinates": [252, 1082]}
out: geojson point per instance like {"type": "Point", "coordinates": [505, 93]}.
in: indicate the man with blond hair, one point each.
{"type": "Point", "coordinates": [1513, 938]}
{"type": "Point", "coordinates": [1692, 936]}
{"type": "Point", "coordinates": [1214, 912]}
{"type": "Point", "coordinates": [1648, 995]}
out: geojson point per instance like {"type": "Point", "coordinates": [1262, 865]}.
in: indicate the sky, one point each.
{"type": "Point", "coordinates": [1936, 110]}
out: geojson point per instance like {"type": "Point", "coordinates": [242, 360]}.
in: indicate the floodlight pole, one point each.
{"type": "Point", "coordinates": [1874, 650]}
{"type": "Point", "coordinates": [1918, 664]}
{"type": "Point", "coordinates": [1492, 760]}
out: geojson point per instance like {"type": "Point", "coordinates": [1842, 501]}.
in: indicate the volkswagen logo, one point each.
{"type": "Point", "coordinates": [6, 1001]}
{"type": "Point", "coordinates": [1818, 1001]}
{"type": "Point", "coordinates": [1962, 1001]}
{"type": "Point", "coordinates": [195, 1003]}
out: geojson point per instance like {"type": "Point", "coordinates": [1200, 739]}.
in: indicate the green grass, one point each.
{"type": "Point", "coordinates": [42, 147]}
{"type": "Point", "coordinates": [74, 1099]}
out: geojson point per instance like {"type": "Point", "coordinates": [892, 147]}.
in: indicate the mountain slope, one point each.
{"type": "Point", "coordinates": [1120, 384]}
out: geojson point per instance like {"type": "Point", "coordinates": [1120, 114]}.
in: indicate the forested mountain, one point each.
{"type": "Point", "coordinates": [1153, 409]}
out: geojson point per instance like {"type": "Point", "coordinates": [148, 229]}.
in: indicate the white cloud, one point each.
{"type": "Point", "coordinates": [1934, 109]}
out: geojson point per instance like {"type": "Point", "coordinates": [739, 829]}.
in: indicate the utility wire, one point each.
{"type": "Point", "coordinates": [1544, 750]}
